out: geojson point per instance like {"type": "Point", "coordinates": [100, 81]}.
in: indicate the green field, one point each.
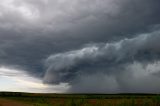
{"type": "Point", "coordinates": [34, 99]}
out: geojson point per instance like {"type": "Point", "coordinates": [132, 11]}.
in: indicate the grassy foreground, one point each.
{"type": "Point", "coordinates": [34, 99]}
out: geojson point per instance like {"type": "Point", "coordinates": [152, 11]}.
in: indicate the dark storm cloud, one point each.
{"type": "Point", "coordinates": [110, 59]}
{"type": "Point", "coordinates": [36, 35]}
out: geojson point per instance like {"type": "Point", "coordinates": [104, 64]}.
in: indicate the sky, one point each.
{"type": "Point", "coordinates": [80, 46]}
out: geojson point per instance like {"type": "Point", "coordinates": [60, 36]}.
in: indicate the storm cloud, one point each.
{"type": "Point", "coordinates": [83, 42]}
{"type": "Point", "coordinates": [110, 59]}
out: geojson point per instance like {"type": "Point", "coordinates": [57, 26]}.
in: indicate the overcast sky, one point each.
{"type": "Point", "coordinates": [80, 46]}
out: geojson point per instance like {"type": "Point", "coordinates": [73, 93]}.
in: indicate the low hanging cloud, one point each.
{"type": "Point", "coordinates": [81, 42]}
{"type": "Point", "coordinates": [106, 62]}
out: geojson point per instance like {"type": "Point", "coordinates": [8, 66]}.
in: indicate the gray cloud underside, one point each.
{"type": "Point", "coordinates": [114, 65]}
{"type": "Point", "coordinates": [36, 35]}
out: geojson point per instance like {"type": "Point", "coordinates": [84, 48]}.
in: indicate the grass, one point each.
{"type": "Point", "coordinates": [84, 99]}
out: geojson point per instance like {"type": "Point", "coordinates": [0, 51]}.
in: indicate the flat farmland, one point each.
{"type": "Point", "coordinates": [35, 99]}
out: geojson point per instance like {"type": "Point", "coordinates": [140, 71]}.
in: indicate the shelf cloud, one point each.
{"type": "Point", "coordinates": [105, 46]}
{"type": "Point", "coordinates": [110, 60]}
